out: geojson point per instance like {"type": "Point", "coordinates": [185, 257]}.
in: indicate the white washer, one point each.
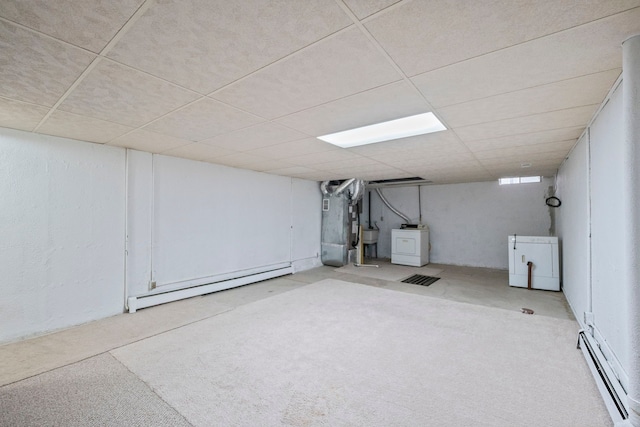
{"type": "Point", "coordinates": [410, 247]}
{"type": "Point", "coordinates": [542, 252]}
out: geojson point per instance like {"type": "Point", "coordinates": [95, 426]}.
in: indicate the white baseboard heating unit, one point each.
{"type": "Point", "coordinates": [144, 301]}
{"type": "Point", "coordinates": [612, 392]}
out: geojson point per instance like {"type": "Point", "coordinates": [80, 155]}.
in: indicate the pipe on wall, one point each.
{"type": "Point", "coordinates": [631, 192]}
{"type": "Point", "coordinates": [394, 210]}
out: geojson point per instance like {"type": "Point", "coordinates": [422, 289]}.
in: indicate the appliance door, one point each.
{"type": "Point", "coordinates": [540, 254]}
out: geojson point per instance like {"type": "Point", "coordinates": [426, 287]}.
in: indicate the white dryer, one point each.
{"type": "Point", "coordinates": [410, 246]}
{"type": "Point", "coordinates": [542, 252]}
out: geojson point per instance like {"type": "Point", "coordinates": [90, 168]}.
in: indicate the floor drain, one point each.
{"type": "Point", "coordinates": [419, 279]}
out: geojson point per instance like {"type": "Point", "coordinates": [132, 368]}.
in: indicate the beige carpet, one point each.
{"type": "Point", "coordinates": [95, 392]}
{"type": "Point", "coordinates": [336, 353]}
{"type": "Point", "coordinates": [387, 271]}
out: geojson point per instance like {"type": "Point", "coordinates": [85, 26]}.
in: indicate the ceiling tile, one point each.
{"type": "Point", "coordinates": [197, 151]}
{"type": "Point", "coordinates": [451, 32]}
{"type": "Point", "coordinates": [338, 66]}
{"type": "Point", "coordinates": [315, 176]}
{"type": "Point", "coordinates": [35, 68]}
{"type": "Point", "coordinates": [587, 49]}
{"type": "Point", "coordinates": [549, 158]}
{"type": "Point", "coordinates": [571, 117]}
{"type": "Point", "coordinates": [438, 160]}
{"type": "Point", "coordinates": [254, 137]}
{"type": "Point", "coordinates": [294, 148]}
{"type": "Point", "coordinates": [151, 142]}
{"type": "Point", "coordinates": [505, 172]}
{"type": "Point", "coordinates": [20, 115]}
{"type": "Point", "coordinates": [376, 105]}
{"type": "Point", "coordinates": [387, 173]}
{"type": "Point", "coordinates": [82, 128]}
{"type": "Point", "coordinates": [291, 171]}
{"type": "Point", "coordinates": [264, 165]}
{"type": "Point", "coordinates": [576, 92]}
{"type": "Point", "coordinates": [119, 94]}
{"type": "Point", "coordinates": [355, 171]}
{"type": "Point", "coordinates": [420, 142]}
{"type": "Point", "coordinates": [203, 119]}
{"type": "Point", "coordinates": [242, 160]}
{"type": "Point", "coordinates": [526, 139]}
{"type": "Point", "coordinates": [205, 44]}
{"type": "Point", "coordinates": [364, 8]}
{"type": "Point", "coordinates": [90, 24]}
{"type": "Point", "coordinates": [466, 166]}
{"type": "Point", "coordinates": [356, 162]}
{"type": "Point", "coordinates": [525, 150]}
{"type": "Point", "coordinates": [322, 157]}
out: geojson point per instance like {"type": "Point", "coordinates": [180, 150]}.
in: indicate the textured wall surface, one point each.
{"type": "Point", "coordinates": [62, 220]}
{"type": "Point", "coordinates": [68, 205]}
{"type": "Point", "coordinates": [468, 223]}
{"type": "Point", "coordinates": [573, 229]}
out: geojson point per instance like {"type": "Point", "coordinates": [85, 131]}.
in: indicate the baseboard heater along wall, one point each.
{"type": "Point", "coordinates": [613, 394]}
{"type": "Point", "coordinates": [138, 302]}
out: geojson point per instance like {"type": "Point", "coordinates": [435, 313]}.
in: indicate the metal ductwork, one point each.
{"type": "Point", "coordinates": [398, 182]}
{"type": "Point", "coordinates": [356, 189]}
{"type": "Point", "coordinates": [340, 219]}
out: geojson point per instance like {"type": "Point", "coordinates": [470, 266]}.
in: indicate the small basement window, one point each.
{"type": "Point", "coordinates": [519, 180]}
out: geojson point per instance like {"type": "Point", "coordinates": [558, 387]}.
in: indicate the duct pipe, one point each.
{"type": "Point", "coordinates": [394, 210]}
{"type": "Point", "coordinates": [631, 197]}
{"type": "Point", "coordinates": [323, 188]}
{"type": "Point", "coordinates": [343, 186]}
{"type": "Point", "coordinates": [358, 191]}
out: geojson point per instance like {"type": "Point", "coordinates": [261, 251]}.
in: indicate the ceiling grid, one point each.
{"type": "Point", "coordinates": [252, 84]}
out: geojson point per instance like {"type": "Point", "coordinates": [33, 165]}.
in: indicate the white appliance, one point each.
{"type": "Point", "coordinates": [410, 247]}
{"type": "Point", "coordinates": [542, 253]}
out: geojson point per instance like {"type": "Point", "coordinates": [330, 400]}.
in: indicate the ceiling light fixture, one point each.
{"type": "Point", "coordinates": [386, 131]}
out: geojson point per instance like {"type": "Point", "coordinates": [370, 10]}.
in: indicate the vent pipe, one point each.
{"type": "Point", "coordinates": [394, 210]}
{"type": "Point", "coordinates": [356, 189]}
{"type": "Point", "coordinates": [631, 197]}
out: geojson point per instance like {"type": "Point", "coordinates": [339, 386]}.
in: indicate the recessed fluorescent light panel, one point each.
{"type": "Point", "coordinates": [519, 180]}
{"type": "Point", "coordinates": [386, 131]}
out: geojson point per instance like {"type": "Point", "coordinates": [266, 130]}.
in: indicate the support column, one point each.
{"type": "Point", "coordinates": [631, 194]}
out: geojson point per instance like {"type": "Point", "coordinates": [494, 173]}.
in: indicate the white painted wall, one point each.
{"type": "Point", "coordinates": [191, 222]}
{"type": "Point", "coordinates": [211, 220]}
{"type": "Point", "coordinates": [82, 225]}
{"type": "Point", "coordinates": [306, 204]}
{"type": "Point", "coordinates": [572, 227]}
{"type": "Point", "coordinates": [62, 216]}
{"type": "Point", "coordinates": [590, 187]}
{"type": "Point", "coordinates": [468, 223]}
{"type": "Point", "coordinates": [139, 221]}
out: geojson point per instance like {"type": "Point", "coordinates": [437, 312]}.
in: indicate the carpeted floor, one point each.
{"type": "Point", "coordinates": [388, 271]}
{"type": "Point", "coordinates": [330, 353]}
{"type": "Point", "coordinates": [98, 391]}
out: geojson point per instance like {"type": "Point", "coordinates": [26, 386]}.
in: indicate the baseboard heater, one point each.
{"type": "Point", "coordinates": [144, 301]}
{"type": "Point", "coordinates": [612, 392]}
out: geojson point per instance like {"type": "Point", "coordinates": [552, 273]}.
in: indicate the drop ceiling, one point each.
{"type": "Point", "coordinates": [251, 84]}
